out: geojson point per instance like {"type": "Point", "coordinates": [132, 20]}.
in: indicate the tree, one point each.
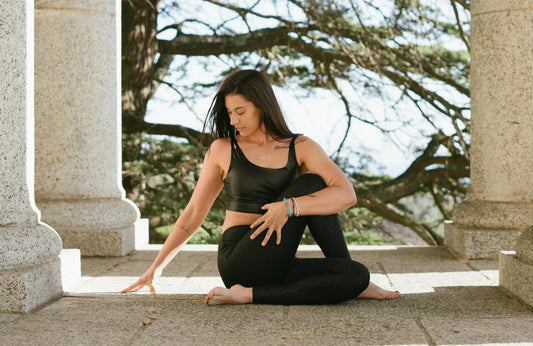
{"type": "Point", "coordinates": [371, 47]}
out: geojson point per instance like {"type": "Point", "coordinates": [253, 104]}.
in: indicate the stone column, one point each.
{"type": "Point", "coordinates": [499, 205]}
{"type": "Point", "coordinates": [30, 270]}
{"type": "Point", "coordinates": [78, 185]}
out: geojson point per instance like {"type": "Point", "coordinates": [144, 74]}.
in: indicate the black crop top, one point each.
{"type": "Point", "coordinates": [249, 187]}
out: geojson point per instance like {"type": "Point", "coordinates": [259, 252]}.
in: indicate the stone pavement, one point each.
{"type": "Point", "coordinates": [443, 301]}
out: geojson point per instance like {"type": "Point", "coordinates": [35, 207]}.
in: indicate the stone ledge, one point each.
{"type": "Point", "coordinates": [515, 277]}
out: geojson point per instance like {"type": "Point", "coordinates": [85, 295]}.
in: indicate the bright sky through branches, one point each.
{"type": "Point", "coordinates": [319, 115]}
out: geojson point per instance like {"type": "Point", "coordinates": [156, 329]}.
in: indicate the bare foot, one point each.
{"type": "Point", "coordinates": [237, 294]}
{"type": "Point", "coordinates": [375, 292]}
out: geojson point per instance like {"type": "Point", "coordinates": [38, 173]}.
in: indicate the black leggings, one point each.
{"type": "Point", "coordinates": [276, 275]}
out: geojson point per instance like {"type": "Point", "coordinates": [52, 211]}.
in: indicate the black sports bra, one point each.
{"type": "Point", "coordinates": [249, 187]}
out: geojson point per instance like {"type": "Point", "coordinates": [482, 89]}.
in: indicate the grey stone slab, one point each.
{"type": "Point", "coordinates": [143, 255]}
{"type": "Point", "coordinates": [178, 314]}
{"type": "Point", "coordinates": [488, 268]}
{"type": "Point", "coordinates": [413, 283]}
{"type": "Point", "coordinates": [112, 285]}
{"type": "Point", "coordinates": [76, 321]}
{"type": "Point", "coordinates": [7, 319]}
{"type": "Point", "coordinates": [94, 266]}
{"type": "Point", "coordinates": [186, 266]}
{"type": "Point", "coordinates": [469, 331]}
{"type": "Point", "coordinates": [352, 322]}
{"type": "Point", "coordinates": [191, 272]}
{"type": "Point", "coordinates": [481, 302]}
{"type": "Point", "coordinates": [477, 302]}
{"type": "Point", "coordinates": [192, 319]}
{"type": "Point", "coordinates": [409, 260]}
{"type": "Point", "coordinates": [266, 324]}
{"type": "Point", "coordinates": [483, 264]}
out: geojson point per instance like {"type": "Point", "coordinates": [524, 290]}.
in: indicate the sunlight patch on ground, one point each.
{"type": "Point", "coordinates": [164, 285]}
{"type": "Point", "coordinates": [406, 283]}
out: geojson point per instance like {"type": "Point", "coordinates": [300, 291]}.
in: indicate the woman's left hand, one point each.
{"type": "Point", "coordinates": [272, 221]}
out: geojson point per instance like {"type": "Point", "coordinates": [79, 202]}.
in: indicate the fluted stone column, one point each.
{"type": "Point", "coordinates": [30, 270]}
{"type": "Point", "coordinates": [499, 204]}
{"type": "Point", "coordinates": [78, 184]}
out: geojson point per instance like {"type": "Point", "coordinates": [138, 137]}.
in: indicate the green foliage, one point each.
{"type": "Point", "coordinates": [362, 227]}
{"type": "Point", "coordinates": [159, 175]}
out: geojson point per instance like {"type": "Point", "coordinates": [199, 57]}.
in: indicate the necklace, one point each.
{"type": "Point", "coordinates": [263, 156]}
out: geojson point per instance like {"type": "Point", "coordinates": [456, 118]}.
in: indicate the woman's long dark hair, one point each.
{"type": "Point", "coordinates": [256, 88]}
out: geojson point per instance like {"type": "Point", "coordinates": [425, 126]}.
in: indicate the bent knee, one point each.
{"type": "Point", "coordinates": [359, 276]}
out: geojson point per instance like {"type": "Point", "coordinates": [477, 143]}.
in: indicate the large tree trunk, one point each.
{"type": "Point", "coordinates": [139, 47]}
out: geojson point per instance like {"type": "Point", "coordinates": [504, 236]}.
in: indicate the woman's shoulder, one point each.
{"type": "Point", "coordinates": [220, 143]}
{"type": "Point", "coordinates": [219, 147]}
{"type": "Point", "coordinates": [306, 147]}
{"type": "Point", "coordinates": [304, 141]}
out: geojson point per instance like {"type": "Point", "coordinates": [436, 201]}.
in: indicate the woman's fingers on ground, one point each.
{"type": "Point", "coordinates": [130, 288]}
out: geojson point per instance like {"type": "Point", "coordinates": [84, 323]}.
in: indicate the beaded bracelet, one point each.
{"type": "Point", "coordinates": [287, 205]}
{"type": "Point", "coordinates": [295, 207]}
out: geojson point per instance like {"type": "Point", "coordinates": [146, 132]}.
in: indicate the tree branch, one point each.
{"type": "Point", "coordinates": [370, 202]}
{"type": "Point", "coordinates": [135, 125]}
{"type": "Point", "coordinates": [205, 45]}
{"type": "Point", "coordinates": [417, 175]}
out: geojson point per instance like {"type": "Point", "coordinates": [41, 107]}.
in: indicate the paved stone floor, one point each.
{"type": "Point", "coordinates": [443, 301]}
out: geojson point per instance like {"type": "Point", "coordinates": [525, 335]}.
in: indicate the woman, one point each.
{"type": "Point", "coordinates": [276, 183]}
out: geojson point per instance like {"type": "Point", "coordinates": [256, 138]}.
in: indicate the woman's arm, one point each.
{"type": "Point", "coordinates": [339, 193]}
{"type": "Point", "coordinates": [207, 189]}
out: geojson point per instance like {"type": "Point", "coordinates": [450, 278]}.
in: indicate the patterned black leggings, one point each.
{"type": "Point", "coordinates": [276, 275]}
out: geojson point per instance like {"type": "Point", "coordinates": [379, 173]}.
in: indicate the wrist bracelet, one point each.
{"type": "Point", "coordinates": [287, 205]}
{"type": "Point", "coordinates": [295, 207]}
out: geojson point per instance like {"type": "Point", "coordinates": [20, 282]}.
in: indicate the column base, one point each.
{"type": "Point", "coordinates": [515, 276]}
{"type": "Point", "coordinates": [476, 243]}
{"type": "Point", "coordinates": [100, 242]}
{"type": "Point", "coordinates": [23, 289]}
{"type": "Point", "coordinates": [98, 227]}
{"type": "Point", "coordinates": [107, 242]}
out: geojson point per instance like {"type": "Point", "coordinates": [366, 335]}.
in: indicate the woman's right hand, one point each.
{"type": "Point", "coordinates": [147, 279]}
